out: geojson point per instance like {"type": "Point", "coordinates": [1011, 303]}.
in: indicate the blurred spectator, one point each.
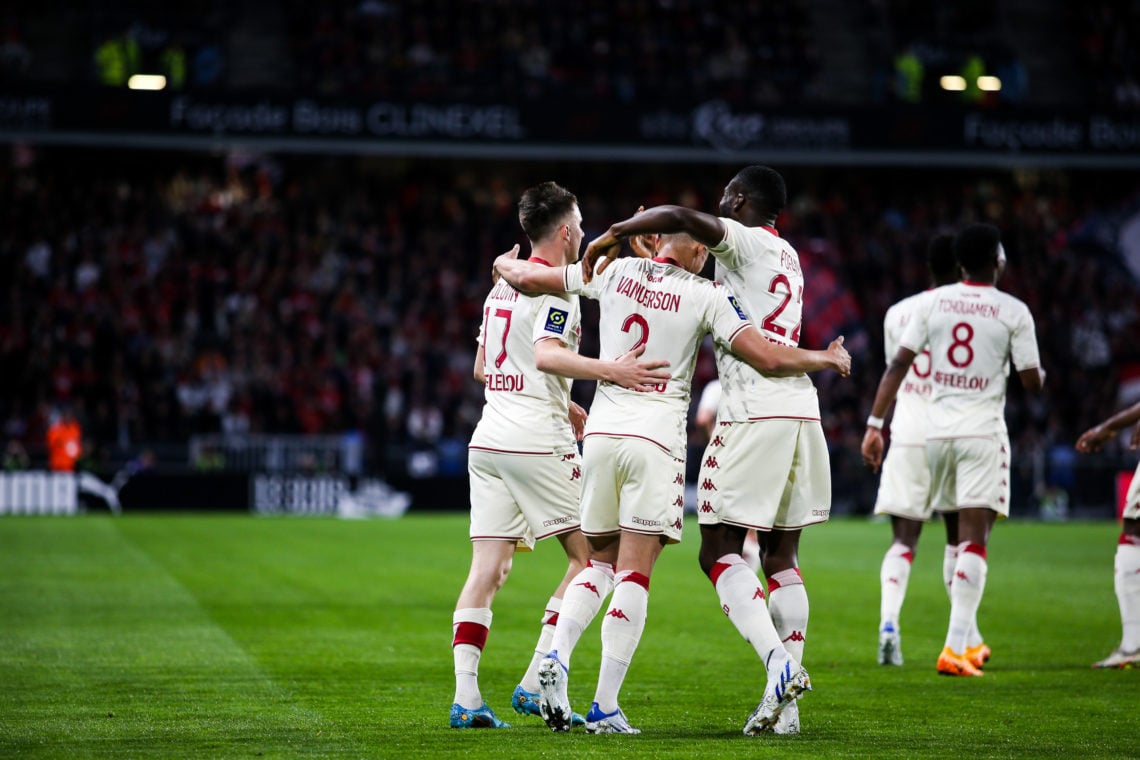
{"type": "Point", "coordinates": [15, 57]}
{"type": "Point", "coordinates": [909, 73]}
{"type": "Point", "coordinates": [64, 440]}
{"type": "Point", "coordinates": [15, 456]}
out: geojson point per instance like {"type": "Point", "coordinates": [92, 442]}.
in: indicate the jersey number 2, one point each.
{"type": "Point", "coordinates": [781, 284]}
{"type": "Point", "coordinates": [637, 319]}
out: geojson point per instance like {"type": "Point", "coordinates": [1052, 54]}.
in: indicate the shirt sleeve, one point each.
{"type": "Point", "coordinates": [1023, 341]}
{"type": "Point", "coordinates": [727, 252]}
{"type": "Point", "coordinates": [572, 278]}
{"type": "Point", "coordinates": [725, 316]}
{"type": "Point", "coordinates": [553, 318]}
{"type": "Point", "coordinates": [916, 334]}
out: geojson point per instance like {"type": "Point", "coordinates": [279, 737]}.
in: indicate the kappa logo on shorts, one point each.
{"type": "Point", "coordinates": [556, 321]}
{"type": "Point", "coordinates": [677, 525]}
{"type": "Point", "coordinates": [678, 502]}
{"type": "Point", "coordinates": [718, 441]}
{"type": "Point", "coordinates": [739, 311]}
{"type": "Point", "coordinates": [679, 480]}
{"type": "Point", "coordinates": [567, 457]}
{"type": "Point", "coordinates": [707, 485]}
{"type": "Point", "coordinates": [577, 473]}
{"type": "Point", "coordinates": [710, 462]}
{"type": "Point", "coordinates": [706, 507]}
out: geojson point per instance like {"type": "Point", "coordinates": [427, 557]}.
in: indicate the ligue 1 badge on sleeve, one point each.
{"type": "Point", "coordinates": [735, 305]}
{"type": "Point", "coordinates": [556, 321]}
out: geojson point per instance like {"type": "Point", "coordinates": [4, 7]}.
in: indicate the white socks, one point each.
{"type": "Point", "coordinates": [893, 577]}
{"type": "Point", "coordinates": [622, 627]}
{"type": "Point", "coordinates": [788, 603]}
{"type": "Point", "coordinates": [742, 600]}
{"type": "Point", "coordinates": [470, 627]}
{"type": "Point", "coordinates": [549, 621]}
{"type": "Point", "coordinates": [1127, 581]}
{"type": "Point", "coordinates": [966, 591]}
{"type": "Point", "coordinates": [580, 605]}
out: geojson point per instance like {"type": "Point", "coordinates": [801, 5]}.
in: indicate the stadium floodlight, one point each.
{"type": "Point", "coordinates": [989, 84]}
{"type": "Point", "coordinates": [953, 82]}
{"type": "Point", "coordinates": [147, 82]}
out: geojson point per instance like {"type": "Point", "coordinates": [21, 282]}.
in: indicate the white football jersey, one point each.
{"type": "Point", "coordinates": [526, 410]}
{"type": "Point", "coordinates": [973, 331]}
{"type": "Point", "coordinates": [656, 303]}
{"type": "Point", "coordinates": [908, 425]}
{"type": "Point", "coordinates": [763, 270]}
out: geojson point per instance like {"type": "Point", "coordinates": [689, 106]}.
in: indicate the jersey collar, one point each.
{"type": "Point", "coordinates": [977, 284]}
{"type": "Point", "coordinates": [537, 260]}
{"type": "Point", "coordinates": [668, 260]}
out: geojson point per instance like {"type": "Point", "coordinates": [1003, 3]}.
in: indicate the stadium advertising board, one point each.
{"type": "Point", "coordinates": [709, 130]}
{"type": "Point", "coordinates": [38, 493]}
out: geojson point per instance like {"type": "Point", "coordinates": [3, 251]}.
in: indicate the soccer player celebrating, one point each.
{"type": "Point", "coordinates": [523, 456]}
{"type": "Point", "coordinates": [1127, 564]}
{"type": "Point", "coordinates": [904, 489]}
{"type": "Point", "coordinates": [973, 330]}
{"type": "Point", "coordinates": [633, 495]}
{"type": "Point", "coordinates": [767, 468]}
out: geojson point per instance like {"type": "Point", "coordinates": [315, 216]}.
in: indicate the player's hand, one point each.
{"type": "Point", "coordinates": [577, 421]}
{"type": "Point", "coordinates": [644, 246]}
{"type": "Point", "coordinates": [511, 254]}
{"type": "Point", "coordinates": [629, 372]}
{"type": "Point", "coordinates": [599, 253]}
{"type": "Point", "coordinates": [872, 448]}
{"type": "Point", "coordinates": [840, 356]}
{"type": "Point", "coordinates": [1094, 439]}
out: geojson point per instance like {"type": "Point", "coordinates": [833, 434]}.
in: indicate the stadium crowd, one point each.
{"type": "Point", "coordinates": [602, 50]}
{"type": "Point", "coordinates": [163, 298]}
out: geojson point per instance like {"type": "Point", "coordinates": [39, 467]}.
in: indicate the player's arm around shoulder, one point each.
{"type": "Point", "coordinates": [770, 358]}
{"type": "Point", "coordinates": [528, 277]}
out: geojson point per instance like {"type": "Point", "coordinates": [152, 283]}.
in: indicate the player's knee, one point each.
{"type": "Point", "coordinates": [707, 557]}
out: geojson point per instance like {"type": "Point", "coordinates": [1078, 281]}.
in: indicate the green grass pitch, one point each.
{"type": "Point", "coordinates": [243, 637]}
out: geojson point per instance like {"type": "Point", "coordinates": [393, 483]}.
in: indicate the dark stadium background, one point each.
{"type": "Point", "coordinates": [294, 236]}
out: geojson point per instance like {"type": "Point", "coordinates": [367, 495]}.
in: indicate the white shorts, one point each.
{"type": "Point", "coordinates": [631, 485]}
{"type": "Point", "coordinates": [521, 497]}
{"type": "Point", "coordinates": [904, 487]}
{"type": "Point", "coordinates": [969, 472]}
{"type": "Point", "coordinates": [1132, 498]}
{"type": "Point", "coordinates": [765, 474]}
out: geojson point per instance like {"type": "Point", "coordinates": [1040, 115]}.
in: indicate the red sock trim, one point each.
{"type": "Point", "coordinates": [551, 618]}
{"type": "Point", "coordinates": [1128, 538]}
{"type": "Point", "coordinates": [774, 584]}
{"type": "Point", "coordinates": [639, 579]}
{"type": "Point", "coordinates": [973, 548]}
{"type": "Point", "coordinates": [471, 633]}
{"type": "Point", "coordinates": [717, 570]}
{"type": "Point", "coordinates": [908, 556]}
